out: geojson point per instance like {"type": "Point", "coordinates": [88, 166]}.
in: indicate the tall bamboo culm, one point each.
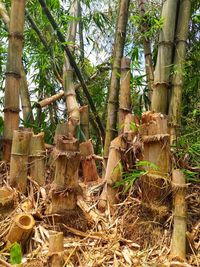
{"type": "Point", "coordinates": [164, 58]}
{"type": "Point", "coordinates": [120, 35]}
{"type": "Point", "coordinates": [179, 60]}
{"type": "Point", "coordinates": [13, 75]}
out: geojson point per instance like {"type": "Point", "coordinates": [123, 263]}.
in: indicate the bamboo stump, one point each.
{"type": "Point", "coordinates": [113, 173]}
{"type": "Point", "coordinates": [88, 163]}
{"type": "Point", "coordinates": [155, 185]}
{"type": "Point", "coordinates": [84, 121]}
{"type": "Point", "coordinates": [37, 158]}
{"type": "Point", "coordinates": [19, 159]}
{"type": "Point", "coordinates": [178, 245]}
{"type": "Point", "coordinates": [7, 200]}
{"type": "Point", "coordinates": [56, 250]}
{"type": "Point", "coordinates": [20, 229]}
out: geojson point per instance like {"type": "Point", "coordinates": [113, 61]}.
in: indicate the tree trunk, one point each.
{"type": "Point", "coordinates": [179, 60]}
{"type": "Point", "coordinates": [111, 129]}
{"type": "Point", "coordinates": [147, 49]}
{"type": "Point", "coordinates": [164, 58]}
{"type": "Point", "coordinates": [125, 94]}
{"type": "Point", "coordinates": [13, 74]}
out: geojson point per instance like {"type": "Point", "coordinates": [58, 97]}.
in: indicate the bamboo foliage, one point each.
{"type": "Point", "coordinates": [112, 109]}
{"type": "Point", "coordinates": [179, 60]}
{"type": "Point", "coordinates": [13, 74]}
{"type": "Point", "coordinates": [164, 57]}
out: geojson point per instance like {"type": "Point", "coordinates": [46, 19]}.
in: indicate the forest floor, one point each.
{"type": "Point", "coordinates": [120, 239]}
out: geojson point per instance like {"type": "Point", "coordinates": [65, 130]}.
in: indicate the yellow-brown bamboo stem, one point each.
{"type": "Point", "coordinates": [178, 245]}
{"type": "Point", "coordinates": [4, 15]}
{"type": "Point", "coordinates": [47, 101]}
{"type": "Point", "coordinates": [56, 249]}
{"type": "Point", "coordinates": [37, 158]}
{"type": "Point", "coordinates": [125, 94]}
{"type": "Point", "coordinates": [20, 229]}
{"type": "Point", "coordinates": [13, 74]}
{"type": "Point", "coordinates": [84, 121]}
{"type": "Point", "coordinates": [19, 158]}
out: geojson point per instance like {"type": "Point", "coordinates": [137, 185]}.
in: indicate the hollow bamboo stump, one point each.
{"type": "Point", "coordinates": [37, 158]}
{"type": "Point", "coordinates": [19, 158]}
{"type": "Point", "coordinates": [113, 173]}
{"type": "Point", "coordinates": [56, 250]}
{"type": "Point", "coordinates": [20, 229]}
{"type": "Point", "coordinates": [7, 200]}
{"type": "Point", "coordinates": [178, 244]}
{"type": "Point", "coordinates": [88, 163]}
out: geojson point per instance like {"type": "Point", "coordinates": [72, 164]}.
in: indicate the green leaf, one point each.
{"type": "Point", "coordinates": [15, 254]}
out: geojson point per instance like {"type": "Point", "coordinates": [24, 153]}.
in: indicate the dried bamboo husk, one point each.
{"type": "Point", "coordinates": [113, 173]}
{"type": "Point", "coordinates": [84, 121]}
{"type": "Point", "coordinates": [37, 158]}
{"type": "Point", "coordinates": [20, 229]}
{"type": "Point", "coordinates": [13, 75]}
{"type": "Point", "coordinates": [19, 158]}
{"type": "Point", "coordinates": [156, 139]}
{"type": "Point", "coordinates": [164, 58]}
{"type": "Point", "coordinates": [178, 243]}
{"type": "Point", "coordinates": [7, 200]}
{"type": "Point", "coordinates": [88, 163]}
{"type": "Point", "coordinates": [124, 94]}
{"type": "Point", "coordinates": [56, 250]}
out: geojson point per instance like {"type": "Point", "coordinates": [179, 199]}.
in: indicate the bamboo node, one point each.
{"type": "Point", "coordinates": [17, 35]}
{"type": "Point", "coordinates": [17, 75]}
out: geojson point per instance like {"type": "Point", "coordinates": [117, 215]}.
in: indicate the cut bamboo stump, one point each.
{"type": "Point", "coordinates": [37, 158]}
{"type": "Point", "coordinates": [113, 173]}
{"type": "Point", "coordinates": [178, 245]}
{"type": "Point", "coordinates": [84, 121]}
{"type": "Point", "coordinates": [56, 250]}
{"type": "Point", "coordinates": [88, 163]}
{"type": "Point", "coordinates": [156, 139]}
{"type": "Point", "coordinates": [20, 229]}
{"type": "Point", "coordinates": [7, 200]}
{"type": "Point", "coordinates": [19, 158]}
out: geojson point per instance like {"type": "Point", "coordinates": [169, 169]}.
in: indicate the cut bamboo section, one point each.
{"type": "Point", "coordinates": [178, 244]}
{"type": "Point", "coordinates": [7, 200]}
{"type": "Point", "coordinates": [19, 158]}
{"type": "Point", "coordinates": [13, 75]}
{"type": "Point", "coordinates": [47, 101]}
{"type": "Point", "coordinates": [88, 163]}
{"type": "Point", "coordinates": [84, 121]}
{"type": "Point", "coordinates": [156, 139]}
{"type": "Point", "coordinates": [37, 158]}
{"type": "Point", "coordinates": [125, 94]}
{"type": "Point", "coordinates": [56, 250]}
{"type": "Point", "coordinates": [113, 173]}
{"type": "Point", "coordinates": [20, 229]}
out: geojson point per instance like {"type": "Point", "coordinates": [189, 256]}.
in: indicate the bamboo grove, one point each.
{"type": "Point", "coordinates": [100, 133]}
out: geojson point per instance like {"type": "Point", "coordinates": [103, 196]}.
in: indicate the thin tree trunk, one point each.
{"type": "Point", "coordinates": [179, 60]}
{"type": "Point", "coordinates": [147, 49]}
{"type": "Point", "coordinates": [111, 125]}
{"type": "Point", "coordinates": [164, 58]}
{"type": "Point", "coordinates": [13, 75]}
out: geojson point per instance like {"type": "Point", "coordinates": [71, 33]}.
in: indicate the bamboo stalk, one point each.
{"type": "Point", "coordinates": [125, 94]}
{"type": "Point", "coordinates": [178, 242]}
{"type": "Point", "coordinates": [56, 249]}
{"type": "Point", "coordinates": [179, 61]}
{"type": "Point", "coordinates": [19, 158]}
{"type": "Point", "coordinates": [20, 229]}
{"type": "Point", "coordinates": [164, 58]}
{"type": "Point", "coordinates": [13, 75]}
{"type": "Point", "coordinates": [112, 109]}
{"type": "Point", "coordinates": [4, 15]}
{"type": "Point", "coordinates": [37, 158]}
{"type": "Point", "coordinates": [84, 121]}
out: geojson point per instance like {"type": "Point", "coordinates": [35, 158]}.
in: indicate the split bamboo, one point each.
{"type": "Point", "coordinates": [19, 158]}
{"type": "Point", "coordinates": [13, 75]}
{"type": "Point", "coordinates": [179, 60]}
{"type": "Point", "coordinates": [37, 158]}
{"type": "Point", "coordinates": [164, 58]}
{"type": "Point", "coordinates": [88, 162]}
{"type": "Point", "coordinates": [120, 37]}
{"type": "Point", "coordinates": [178, 245]}
{"type": "Point", "coordinates": [20, 229]}
{"type": "Point", "coordinates": [84, 121]}
{"type": "Point", "coordinates": [124, 94]}
{"type": "Point", "coordinates": [56, 250]}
